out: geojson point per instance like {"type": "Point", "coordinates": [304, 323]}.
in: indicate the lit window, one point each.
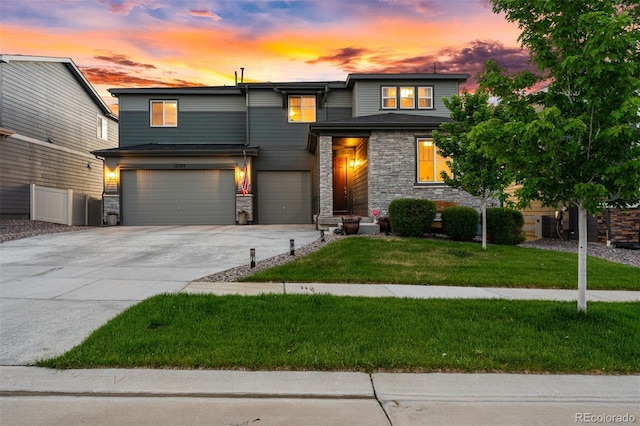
{"type": "Point", "coordinates": [430, 164]}
{"type": "Point", "coordinates": [425, 97]}
{"type": "Point", "coordinates": [302, 109]}
{"type": "Point", "coordinates": [164, 113]}
{"type": "Point", "coordinates": [102, 128]}
{"type": "Point", "coordinates": [389, 98]}
{"type": "Point", "coordinates": [407, 98]}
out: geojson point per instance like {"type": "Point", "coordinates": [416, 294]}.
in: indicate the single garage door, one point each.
{"type": "Point", "coordinates": [284, 197]}
{"type": "Point", "coordinates": [178, 197]}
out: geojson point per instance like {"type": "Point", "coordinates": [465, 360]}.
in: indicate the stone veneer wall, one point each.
{"type": "Point", "coordinates": [392, 174]}
{"type": "Point", "coordinates": [624, 225]}
{"type": "Point", "coordinates": [325, 169]}
{"type": "Point", "coordinates": [111, 203]}
{"type": "Point", "coordinates": [245, 202]}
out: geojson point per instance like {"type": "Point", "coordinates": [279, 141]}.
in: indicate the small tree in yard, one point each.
{"type": "Point", "coordinates": [472, 169]}
{"type": "Point", "coordinates": [583, 147]}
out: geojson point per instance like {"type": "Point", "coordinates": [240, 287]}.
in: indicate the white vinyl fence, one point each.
{"type": "Point", "coordinates": [61, 206]}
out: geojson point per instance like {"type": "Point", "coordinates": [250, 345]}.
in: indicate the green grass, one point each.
{"type": "Point", "coordinates": [323, 332]}
{"type": "Point", "coordinates": [434, 262]}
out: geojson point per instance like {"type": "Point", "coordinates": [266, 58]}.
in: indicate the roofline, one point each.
{"type": "Point", "coordinates": [132, 152]}
{"type": "Point", "coordinates": [329, 126]}
{"type": "Point", "coordinates": [68, 62]}
{"type": "Point", "coordinates": [194, 90]}
{"type": "Point", "coordinates": [352, 78]}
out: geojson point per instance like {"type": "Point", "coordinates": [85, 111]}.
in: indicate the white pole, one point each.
{"type": "Point", "coordinates": [582, 259]}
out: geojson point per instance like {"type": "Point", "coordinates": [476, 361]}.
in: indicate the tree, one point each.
{"type": "Point", "coordinates": [472, 170]}
{"type": "Point", "coordinates": [583, 147]}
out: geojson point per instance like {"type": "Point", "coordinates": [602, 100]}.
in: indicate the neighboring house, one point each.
{"type": "Point", "coordinates": [312, 150]}
{"type": "Point", "coordinates": [51, 118]}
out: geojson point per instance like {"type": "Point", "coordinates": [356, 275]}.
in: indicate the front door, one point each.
{"type": "Point", "coordinates": [340, 188]}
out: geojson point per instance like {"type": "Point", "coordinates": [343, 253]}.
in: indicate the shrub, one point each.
{"type": "Point", "coordinates": [410, 217]}
{"type": "Point", "coordinates": [504, 226]}
{"type": "Point", "coordinates": [460, 223]}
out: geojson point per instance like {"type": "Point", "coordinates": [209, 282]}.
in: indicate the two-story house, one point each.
{"type": "Point", "coordinates": [290, 152]}
{"type": "Point", "coordinates": [51, 118]}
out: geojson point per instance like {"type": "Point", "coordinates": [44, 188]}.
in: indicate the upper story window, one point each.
{"type": "Point", "coordinates": [407, 98]}
{"type": "Point", "coordinates": [430, 164]}
{"type": "Point", "coordinates": [404, 97]}
{"type": "Point", "coordinates": [164, 114]}
{"type": "Point", "coordinates": [425, 97]}
{"type": "Point", "coordinates": [389, 100]}
{"type": "Point", "coordinates": [103, 125]}
{"type": "Point", "coordinates": [302, 109]}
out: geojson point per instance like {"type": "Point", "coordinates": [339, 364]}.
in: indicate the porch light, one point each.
{"type": "Point", "coordinates": [112, 175]}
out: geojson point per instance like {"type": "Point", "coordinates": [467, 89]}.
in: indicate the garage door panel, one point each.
{"type": "Point", "coordinates": [284, 197]}
{"type": "Point", "coordinates": [178, 197]}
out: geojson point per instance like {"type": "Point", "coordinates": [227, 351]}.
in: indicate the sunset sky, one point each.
{"type": "Point", "coordinates": [144, 43]}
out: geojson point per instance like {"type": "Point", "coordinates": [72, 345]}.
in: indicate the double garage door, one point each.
{"type": "Point", "coordinates": [178, 197]}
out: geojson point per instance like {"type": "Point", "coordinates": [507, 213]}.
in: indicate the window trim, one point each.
{"type": "Point", "coordinates": [102, 132]}
{"type": "Point", "coordinates": [302, 108]}
{"type": "Point", "coordinates": [163, 102]}
{"type": "Point", "coordinates": [413, 98]}
{"type": "Point", "coordinates": [394, 97]}
{"type": "Point", "coordinates": [436, 174]}
{"type": "Point", "coordinates": [431, 98]}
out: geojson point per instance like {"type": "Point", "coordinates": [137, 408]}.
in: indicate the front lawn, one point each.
{"type": "Point", "coordinates": [434, 262]}
{"type": "Point", "coordinates": [323, 332]}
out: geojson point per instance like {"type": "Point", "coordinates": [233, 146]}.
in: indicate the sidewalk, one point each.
{"type": "Point", "coordinates": [35, 396]}
{"type": "Point", "coordinates": [412, 291]}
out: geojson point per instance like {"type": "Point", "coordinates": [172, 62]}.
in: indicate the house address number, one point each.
{"type": "Point", "coordinates": [179, 166]}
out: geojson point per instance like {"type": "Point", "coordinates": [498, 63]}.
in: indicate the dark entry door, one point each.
{"type": "Point", "coordinates": [340, 189]}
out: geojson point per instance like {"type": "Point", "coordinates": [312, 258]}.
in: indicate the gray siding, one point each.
{"type": "Point", "coordinates": [192, 103]}
{"type": "Point", "coordinates": [367, 97]}
{"type": "Point", "coordinates": [42, 101]}
{"type": "Point", "coordinates": [193, 127]}
{"type": "Point", "coordinates": [340, 99]}
{"type": "Point", "coordinates": [270, 126]}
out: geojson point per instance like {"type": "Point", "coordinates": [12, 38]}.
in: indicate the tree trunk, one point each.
{"type": "Point", "coordinates": [582, 259]}
{"type": "Point", "coordinates": [483, 210]}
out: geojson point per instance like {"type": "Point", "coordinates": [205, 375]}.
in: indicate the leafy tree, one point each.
{"type": "Point", "coordinates": [581, 146]}
{"type": "Point", "coordinates": [472, 170]}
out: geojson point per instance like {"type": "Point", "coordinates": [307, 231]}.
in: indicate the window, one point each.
{"type": "Point", "coordinates": [164, 113]}
{"type": "Point", "coordinates": [430, 164]}
{"type": "Point", "coordinates": [425, 97]}
{"type": "Point", "coordinates": [102, 128]}
{"type": "Point", "coordinates": [302, 109]}
{"type": "Point", "coordinates": [407, 98]}
{"type": "Point", "coordinates": [404, 97]}
{"type": "Point", "coordinates": [389, 97]}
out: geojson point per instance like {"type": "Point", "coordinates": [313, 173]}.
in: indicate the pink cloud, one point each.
{"type": "Point", "coordinates": [205, 13]}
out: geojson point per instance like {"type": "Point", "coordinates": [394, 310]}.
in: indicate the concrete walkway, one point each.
{"type": "Point", "coordinates": [411, 291]}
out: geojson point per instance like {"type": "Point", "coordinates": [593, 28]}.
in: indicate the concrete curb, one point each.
{"type": "Point", "coordinates": [185, 383]}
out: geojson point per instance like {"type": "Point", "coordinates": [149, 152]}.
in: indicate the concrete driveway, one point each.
{"type": "Point", "coordinates": [56, 289]}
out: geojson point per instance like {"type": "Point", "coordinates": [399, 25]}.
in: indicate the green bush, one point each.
{"type": "Point", "coordinates": [504, 226]}
{"type": "Point", "coordinates": [410, 217]}
{"type": "Point", "coordinates": [460, 223]}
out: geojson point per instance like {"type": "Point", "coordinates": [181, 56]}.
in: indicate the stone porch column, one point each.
{"type": "Point", "coordinates": [325, 167]}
